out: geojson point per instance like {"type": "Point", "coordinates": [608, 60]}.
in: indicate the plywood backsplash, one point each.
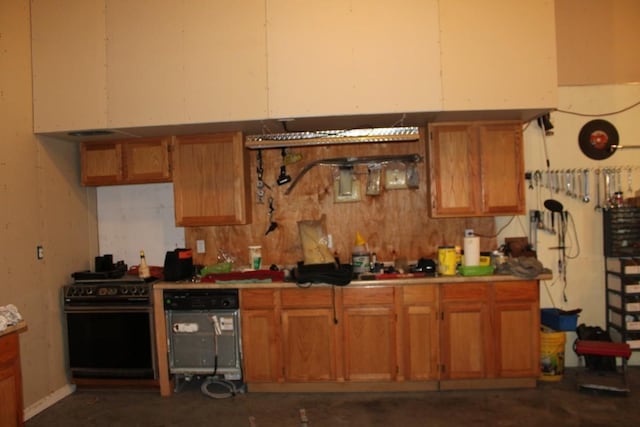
{"type": "Point", "coordinates": [396, 220]}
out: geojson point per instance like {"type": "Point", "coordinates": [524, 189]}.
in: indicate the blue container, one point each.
{"type": "Point", "coordinates": [552, 318]}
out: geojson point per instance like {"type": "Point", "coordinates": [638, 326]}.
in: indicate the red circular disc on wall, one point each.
{"type": "Point", "coordinates": [598, 139]}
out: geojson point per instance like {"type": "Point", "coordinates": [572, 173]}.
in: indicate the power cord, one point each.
{"type": "Point", "coordinates": [230, 389]}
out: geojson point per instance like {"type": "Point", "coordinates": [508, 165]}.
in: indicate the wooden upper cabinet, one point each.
{"type": "Point", "coordinates": [476, 169]}
{"type": "Point", "coordinates": [101, 163]}
{"type": "Point", "coordinates": [210, 180]}
{"type": "Point", "coordinates": [136, 161]}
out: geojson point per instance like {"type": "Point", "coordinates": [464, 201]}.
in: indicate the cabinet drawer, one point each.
{"type": "Point", "coordinates": [516, 291]}
{"type": "Point", "coordinates": [305, 298]}
{"type": "Point", "coordinates": [8, 348]}
{"type": "Point", "coordinates": [465, 291]}
{"type": "Point", "coordinates": [419, 294]}
{"type": "Point", "coordinates": [258, 298]}
{"type": "Point", "coordinates": [367, 296]}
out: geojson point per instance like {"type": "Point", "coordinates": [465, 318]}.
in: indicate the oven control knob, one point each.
{"type": "Point", "coordinates": [143, 291]}
{"type": "Point", "coordinates": [103, 291]}
{"type": "Point", "coordinates": [134, 290]}
{"type": "Point", "coordinates": [225, 303]}
{"type": "Point", "coordinates": [89, 291]}
{"type": "Point", "coordinates": [124, 291]}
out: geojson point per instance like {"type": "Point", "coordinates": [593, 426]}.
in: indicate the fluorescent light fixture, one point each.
{"type": "Point", "coordinates": [328, 137]}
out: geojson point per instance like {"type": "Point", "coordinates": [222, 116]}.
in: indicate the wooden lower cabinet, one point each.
{"type": "Point", "coordinates": [516, 328]}
{"type": "Point", "coordinates": [465, 333]}
{"type": "Point", "coordinates": [490, 330]}
{"type": "Point", "coordinates": [411, 337]}
{"type": "Point", "coordinates": [261, 338]}
{"type": "Point", "coordinates": [308, 338]}
{"type": "Point", "coordinates": [11, 406]}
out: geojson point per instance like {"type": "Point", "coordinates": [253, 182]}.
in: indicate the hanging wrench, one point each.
{"type": "Point", "coordinates": [585, 197]}
{"type": "Point", "coordinates": [607, 188]}
{"type": "Point", "coordinates": [568, 182]}
{"type": "Point", "coordinates": [597, 207]}
{"type": "Point", "coordinates": [574, 186]}
{"type": "Point", "coordinates": [579, 185]}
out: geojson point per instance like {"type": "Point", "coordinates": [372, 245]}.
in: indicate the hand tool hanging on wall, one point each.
{"type": "Point", "coordinates": [597, 207]}
{"type": "Point", "coordinates": [283, 178]}
{"type": "Point", "coordinates": [260, 185]}
{"type": "Point", "coordinates": [585, 197]}
{"type": "Point", "coordinates": [557, 208]}
{"type": "Point", "coordinates": [272, 224]}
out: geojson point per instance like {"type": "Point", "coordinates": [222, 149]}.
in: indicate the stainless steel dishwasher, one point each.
{"type": "Point", "coordinates": [203, 331]}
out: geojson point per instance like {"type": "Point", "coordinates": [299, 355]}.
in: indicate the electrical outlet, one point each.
{"type": "Point", "coordinates": [468, 232]}
{"type": "Point", "coordinates": [200, 246]}
{"type": "Point", "coordinates": [39, 252]}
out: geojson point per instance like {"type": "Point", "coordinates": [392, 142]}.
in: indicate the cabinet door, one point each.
{"type": "Point", "coordinates": [101, 163]}
{"type": "Point", "coordinates": [369, 334]}
{"type": "Point", "coordinates": [308, 337]}
{"type": "Point", "coordinates": [516, 329]}
{"type": "Point", "coordinates": [260, 346]}
{"type": "Point", "coordinates": [261, 351]}
{"type": "Point", "coordinates": [453, 168]}
{"type": "Point", "coordinates": [210, 180]}
{"type": "Point", "coordinates": [10, 382]}
{"type": "Point", "coordinates": [465, 332]}
{"type": "Point", "coordinates": [502, 168]}
{"type": "Point", "coordinates": [147, 160]}
{"type": "Point", "coordinates": [419, 325]}
{"type": "Point", "coordinates": [369, 344]}
{"type": "Point", "coordinates": [476, 169]}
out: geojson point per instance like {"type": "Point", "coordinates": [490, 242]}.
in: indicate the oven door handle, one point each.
{"type": "Point", "coordinates": [107, 309]}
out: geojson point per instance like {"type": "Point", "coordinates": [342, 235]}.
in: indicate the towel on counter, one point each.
{"type": "Point", "coordinates": [527, 267]}
{"type": "Point", "coordinates": [9, 316]}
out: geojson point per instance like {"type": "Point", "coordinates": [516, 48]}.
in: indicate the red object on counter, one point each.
{"type": "Point", "coordinates": [389, 276]}
{"type": "Point", "coordinates": [275, 276]}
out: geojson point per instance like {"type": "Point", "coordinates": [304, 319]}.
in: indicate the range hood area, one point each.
{"type": "Point", "coordinates": [310, 130]}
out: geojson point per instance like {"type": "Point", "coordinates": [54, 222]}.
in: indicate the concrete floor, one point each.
{"type": "Point", "coordinates": [550, 404]}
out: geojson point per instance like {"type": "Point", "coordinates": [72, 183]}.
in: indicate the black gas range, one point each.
{"type": "Point", "coordinates": [110, 330]}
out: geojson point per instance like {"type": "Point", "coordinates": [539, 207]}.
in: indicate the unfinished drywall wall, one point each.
{"type": "Point", "coordinates": [42, 204]}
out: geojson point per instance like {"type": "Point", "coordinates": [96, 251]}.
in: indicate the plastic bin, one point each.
{"type": "Point", "coordinates": [554, 319]}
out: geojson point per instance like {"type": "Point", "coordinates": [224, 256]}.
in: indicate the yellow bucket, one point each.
{"type": "Point", "coordinates": [551, 354]}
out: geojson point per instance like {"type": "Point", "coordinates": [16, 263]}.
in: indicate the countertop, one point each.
{"type": "Point", "coordinates": [354, 283]}
{"type": "Point", "coordinates": [18, 327]}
